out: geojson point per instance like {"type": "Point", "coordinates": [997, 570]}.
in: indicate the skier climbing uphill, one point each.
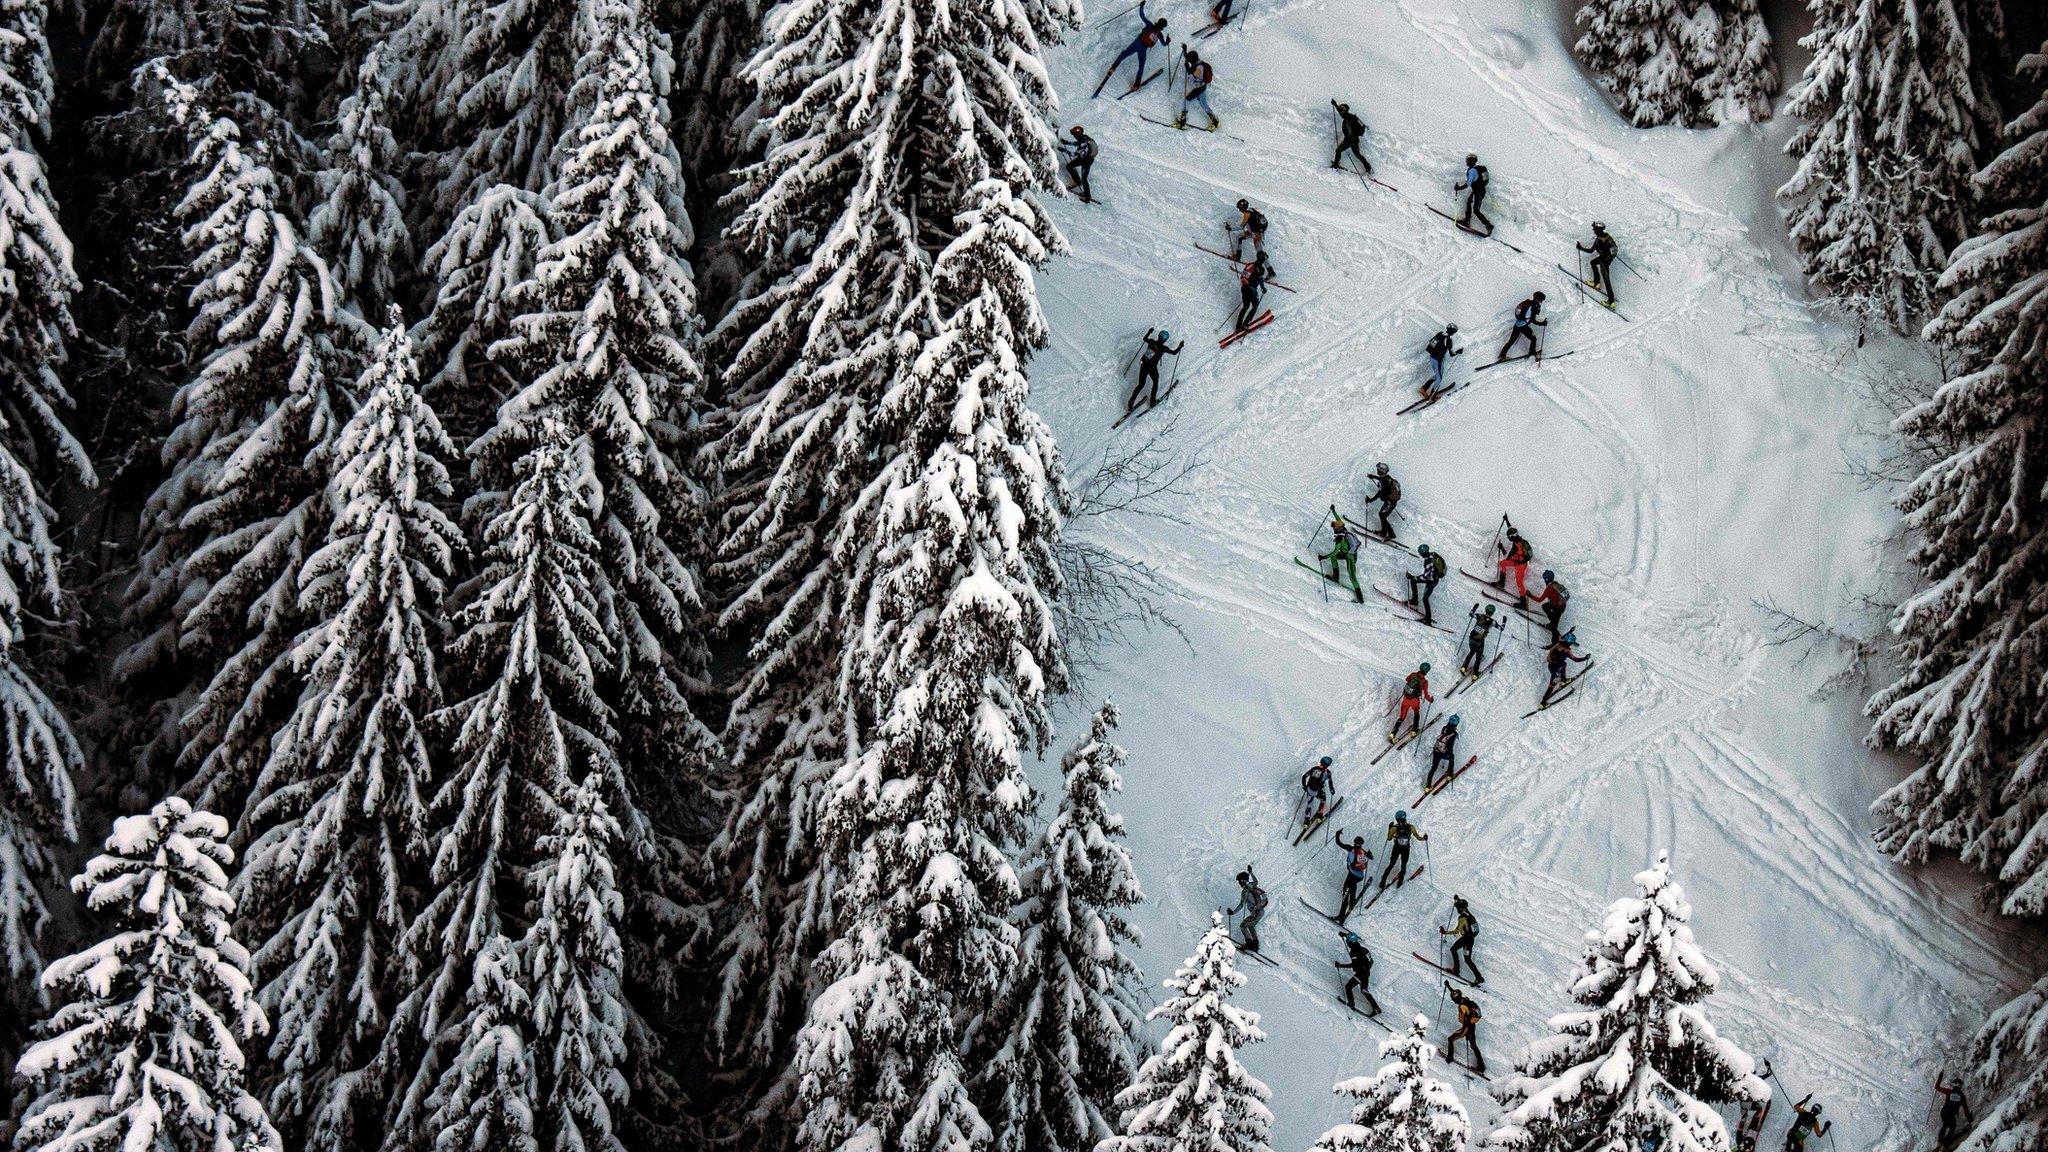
{"type": "Point", "coordinates": [1562, 650]}
{"type": "Point", "coordinates": [1080, 152]}
{"type": "Point", "coordinates": [1805, 1122]}
{"type": "Point", "coordinates": [1317, 787]}
{"type": "Point", "coordinates": [1400, 834]}
{"type": "Point", "coordinates": [1196, 94]}
{"type": "Point", "coordinates": [1603, 250]}
{"type": "Point", "coordinates": [1251, 900]}
{"type": "Point", "coordinates": [1414, 690]}
{"type": "Point", "coordinates": [1250, 225]}
{"type": "Point", "coordinates": [1464, 930]}
{"type": "Point", "coordinates": [1955, 1109]}
{"type": "Point", "coordinates": [1350, 130]}
{"type": "Point", "coordinates": [1343, 555]}
{"type": "Point", "coordinates": [1515, 554]}
{"type": "Point", "coordinates": [1251, 283]}
{"type": "Point", "coordinates": [1474, 187]}
{"type": "Point", "coordinates": [1483, 622]}
{"type": "Point", "coordinates": [1443, 755]}
{"type": "Point", "coordinates": [1528, 318]}
{"type": "Point", "coordinates": [1552, 598]}
{"type": "Point", "coordinates": [1156, 347]}
{"type": "Point", "coordinates": [1360, 964]}
{"type": "Point", "coordinates": [1357, 862]}
{"type": "Point", "coordinates": [1440, 349]}
{"type": "Point", "coordinates": [1467, 1030]}
{"type": "Point", "coordinates": [1386, 491]}
{"type": "Point", "coordinates": [1151, 34]}
{"type": "Point", "coordinates": [1422, 583]}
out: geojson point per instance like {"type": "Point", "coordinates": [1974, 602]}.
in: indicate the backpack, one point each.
{"type": "Point", "coordinates": [1435, 566]}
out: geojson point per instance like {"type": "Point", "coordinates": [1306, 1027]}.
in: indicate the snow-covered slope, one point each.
{"type": "Point", "coordinates": [1674, 470]}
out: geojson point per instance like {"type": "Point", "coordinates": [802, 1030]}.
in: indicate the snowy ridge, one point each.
{"type": "Point", "coordinates": [1673, 470]}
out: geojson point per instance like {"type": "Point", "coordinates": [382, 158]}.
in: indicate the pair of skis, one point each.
{"type": "Point", "coordinates": [1141, 409]}
{"type": "Point", "coordinates": [1469, 230]}
{"type": "Point", "coordinates": [1263, 319]}
{"type": "Point", "coordinates": [1133, 88]}
{"type": "Point", "coordinates": [1376, 537]}
{"type": "Point", "coordinates": [1338, 581]}
{"type": "Point", "coordinates": [1460, 977]}
{"type": "Point", "coordinates": [1240, 263]}
{"type": "Point", "coordinates": [1487, 589]}
{"type": "Point", "coordinates": [1430, 396]}
{"type": "Point", "coordinates": [1525, 356]}
{"type": "Point", "coordinates": [1553, 698]}
{"type": "Point", "coordinates": [1395, 744]}
{"type": "Point", "coordinates": [1444, 783]}
{"type": "Point", "coordinates": [1467, 679]}
{"type": "Point", "coordinates": [1311, 827]}
{"type": "Point", "coordinates": [1587, 288]}
{"type": "Point", "coordinates": [1384, 888]}
{"type": "Point", "coordinates": [1411, 615]}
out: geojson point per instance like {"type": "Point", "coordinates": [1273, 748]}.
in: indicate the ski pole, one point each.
{"type": "Point", "coordinates": [1623, 261]}
{"type": "Point", "coordinates": [1105, 21]}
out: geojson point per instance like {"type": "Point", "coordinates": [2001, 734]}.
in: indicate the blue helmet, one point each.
{"type": "Point", "coordinates": [1548, 575]}
{"type": "Point", "coordinates": [1326, 761]}
{"type": "Point", "coordinates": [1452, 722]}
{"type": "Point", "coordinates": [1401, 815]}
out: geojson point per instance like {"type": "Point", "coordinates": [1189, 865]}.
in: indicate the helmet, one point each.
{"type": "Point", "coordinates": [1599, 227]}
{"type": "Point", "coordinates": [1458, 900]}
{"type": "Point", "coordinates": [1422, 549]}
{"type": "Point", "coordinates": [1425, 666]}
{"type": "Point", "coordinates": [1343, 107]}
{"type": "Point", "coordinates": [1165, 336]}
{"type": "Point", "coordinates": [1244, 877]}
{"type": "Point", "coordinates": [1350, 937]}
{"type": "Point", "coordinates": [1489, 610]}
{"type": "Point", "coordinates": [1243, 204]}
{"type": "Point", "coordinates": [1380, 468]}
{"type": "Point", "coordinates": [1548, 575]}
{"type": "Point", "coordinates": [1190, 55]}
{"type": "Point", "coordinates": [1075, 130]}
{"type": "Point", "coordinates": [1571, 636]}
{"type": "Point", "coordinates": [1325, 761]}
{"type": "Point", "coordinates": [1401, 815]}
{"type": "Point", "coordinates": [1452, 722]}
{"type": "Point", "coordinates": [1816, 1109]}
{"type": "Point", "coordinates": [1472, 158]}
{"type": "Point", "coordinates": [1539, 297]}
{"type": "Point", "coordinates": [1450, 329]}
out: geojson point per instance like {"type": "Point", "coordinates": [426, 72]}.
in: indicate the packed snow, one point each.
{"type": "Point", "coordinates": [1685, 465]}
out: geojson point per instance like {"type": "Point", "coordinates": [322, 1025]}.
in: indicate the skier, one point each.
{"type": "Point", "coordinates": [1805, 1122]}
{"type": "Point", "coordinates": [1750, 1125]}
{"type": "Point", "coordinates": [1515, 554]}
{"type": "Point", "coordinates": [1251, 899]}
{"type": "Point", "coordinates": [1554, 659]}
{"type": "Point", "coordinates": [1443, 754]}
{"type": "Point", "coordinates": [1474, 185]}
{"type": "Point", "coordinates": [1080, 158]}
{"type": "Point", "coordinates": [1251, 284]}
{"type": "Point", "coordinates": [1357, 864]}
{"type": "Point", "coordinates": [1152, 33]}
{"type": "Point", "coordinates": [1553, 596]}
{"type": "Point", "coordinates": [1414, 690]}
{"type": "Point", "coordinates": [1603, 251]}
{"type": "Point", "coordinates": [1424, 582]}
{"type": "Point", "coordinates": [1440, 351]}
{"type": "Point", "coordinates": [1387, 491]}
{"type": "Point", "coordinates": [1316, 789]}
{"type": "Point", "coordinates": [1528, 318]}
{"type": "Point", "coordinates": [1955, 1108]}
{"type": "Point", "coordinates": [1483, 622]}
{"type": "Point", "coordinates": [1343, 555]}
{"type": "Point", "coordinates": [1361, 973]}
{"type": "Point", "coordinates": [1251, 225]}
{"type": "Point", "coordinates": [1350, 130]}
{"type": "Point", "coordinates": [1199, 74]}
{"type": "Point", "coordinates": [1148, 366]}
{"type": "Point", "coordinates": [1222, 11]}
{"type": "Point", "coordinates": [1400, 833]}
{"type": "Point", "coordinates": [1468, 1029]}
{"type": "Point", "coordinates": [1463, 931]}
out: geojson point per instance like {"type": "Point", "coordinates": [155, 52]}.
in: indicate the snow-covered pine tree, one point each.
{"type": "Point", "coordinates": [1641, 1056]}
{"type": "Point", "coordinates": [358, 222]}
{"type": "Point", "coordinates": [602, 344]}
{"type": "Point", "coordinates": [38, 755]}
{"type": "Point", "coordinates": [576, 968]}
{"type": "Point", "coordinates": [713, 39]}
{"type": "Point", "coordinates": [243, 503]}
{"type": "Point", "coordinates": [1193, 1095]}
{"type": "Point", "coordinates": [1401, 1108]}
{"type": "Point", "coordinates": [537, 639]}
{"type": "Point", "coordinates": [1968, 702]}
{"type": "Point", "coordinates": [146, 1052]}
{"type": "Point", "coordinates": [892, 507]}
{"type": "Point", "coordinates": [488, 1098]}
{"type": "Point", "coordinates": [1063, 1036]}
{"type": "Point", "coordinates": [1900, 113]}
{"type": "Point", "coordinates": [1696, 63]}
{"type": "Point", "coordinates": [489, 250]}
{"type": "Point", "coordinates": [2010, 1056]}
{"type": "Point", "coordinates": [337, 818]}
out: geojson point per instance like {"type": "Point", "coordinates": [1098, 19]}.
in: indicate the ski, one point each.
{"type": "Point", "coordinates": [1523, 609]}
{"type": "Point", "coordinates": [1569, 686]}
{"type": "Point", "coordinates": [1255, 954]}
{"type": "Point", "coordinates": [1385, 888]}
{"type": "Point", "coordinates": [1383, 183]}
{"type": "Point", "coordinates": [1547, 705]}
{"type": "Point", "coordinates": [1140, 84]}
{"type": "Point", "coordinates": [1444, 783]}
{"type": "Point", "coordinates": [1467, 1069]}
{"type": "Point", "coordinates": [1369, 1016]}
{"type": "Point", "coordinates": [1431, 399]}
{"type": "Point", "coordinates": [1179, 127]}
{"type": "Point", "coordinates": [1325, 575]}
{"type": "Point", "coordinates": [1311, 827]}
{"type": "Point", "coordinates": [1466, 680]}
{"type": "Point", "coordinates": [1410, 614]}
{"type": "Point", "coordinates": [1474, 231]}
{"type": "Point", "coordinates": [1413, 735]}
{"type": "Point", "coordinates": [1318, 911]}
{"type": "Point", "coordinates": [1264, 319]}
{"type": "Point", "coordinates": [1214, 27]}
{"type": "Point", "coordinates": [1596, 298]}
{"type": "Point", "coordinates": [1141, 409]}
{"type": "Point", "coordinates": [1458, 976]}
{"type": "Point", "coordinates": [1525, 356]}
{"type": "Point", "coordinates": [1227, 256]}
{"type": "Point", "coordinates": [1375, 536]}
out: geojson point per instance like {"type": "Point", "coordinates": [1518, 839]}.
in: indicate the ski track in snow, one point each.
{"type": "Point", "coordinates": [1672, 469]}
